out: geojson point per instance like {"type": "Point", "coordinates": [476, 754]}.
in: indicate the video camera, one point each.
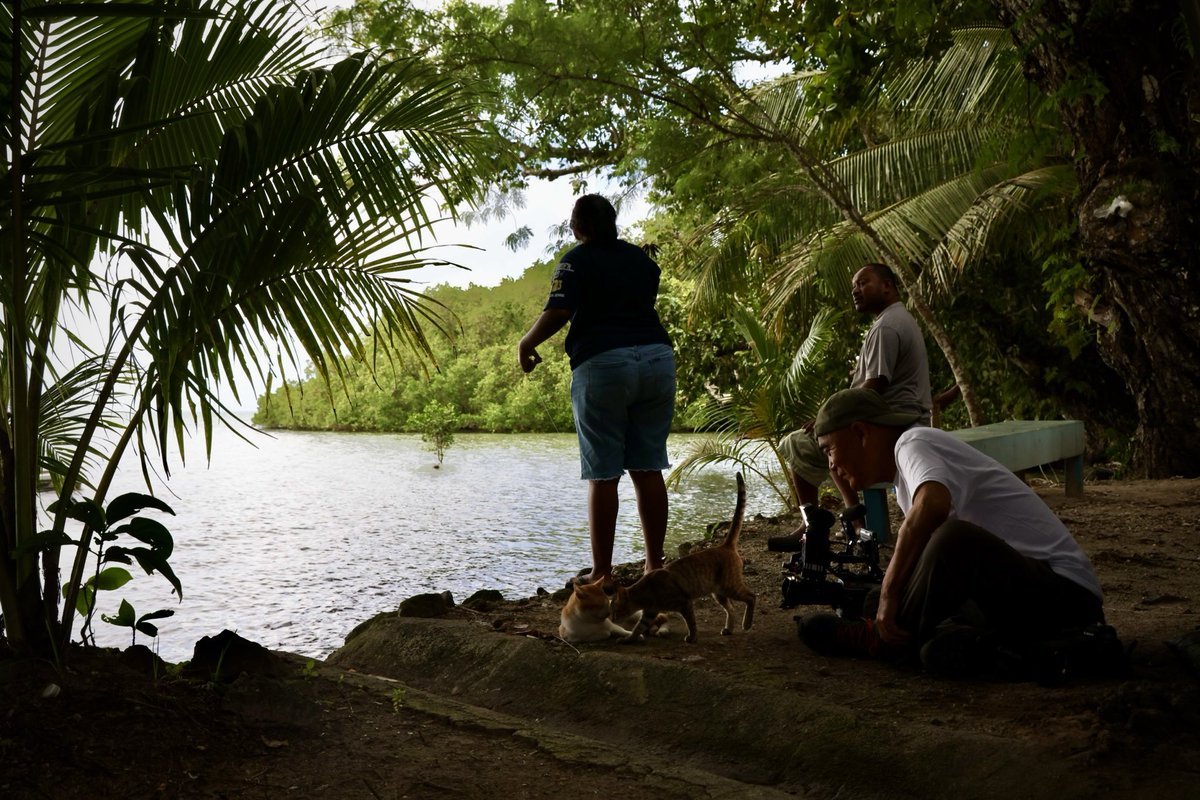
{"type": "Point", "coordinates": [818, 575]}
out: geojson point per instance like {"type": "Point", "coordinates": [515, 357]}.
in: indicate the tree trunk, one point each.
{"type": "Point", "coordinates": [1128, 90]}
{"type": "Point", "coordinates": [962, 379]}
{"type": "Point", "coordinates": [24, 615]}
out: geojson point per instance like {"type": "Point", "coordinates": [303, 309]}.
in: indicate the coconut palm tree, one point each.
{"type": "Point", "coordinates": [950, 159]}
{"type": "Point", "coordinates": [224, 200]}
{"type": "Point", "coordinates": [964, 149]}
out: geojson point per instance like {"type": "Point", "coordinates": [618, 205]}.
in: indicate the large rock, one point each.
{"type": "Point", "coordinates": [742, 730]}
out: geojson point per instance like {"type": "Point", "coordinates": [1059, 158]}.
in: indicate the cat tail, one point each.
{"type": "Point", "coordinates": [735, 527]}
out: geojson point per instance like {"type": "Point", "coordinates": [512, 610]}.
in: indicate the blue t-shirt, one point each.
{"type": "Point", "coordinates": [610, 288]}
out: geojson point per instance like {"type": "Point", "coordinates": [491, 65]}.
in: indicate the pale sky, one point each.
{"type": "Point", "coordinates": [547, 205]}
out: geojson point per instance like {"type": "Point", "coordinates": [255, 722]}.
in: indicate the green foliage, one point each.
{"type": "Point", "coordinates": [108, 525]}
{"type": "Point", "coordinates": [576, 87]}
{"type": "Point", "coordinates": [1067, 281]}
{"type": "Point", "coordinates": [959, 171]}
{"type": "Point", "coordinates": [776, 391]}
{"type": "Point", "coordinates": [475, 378]}
{"type": "Point", "coordinates": [126, 617]}
{"type": "Point", "coordinates": [207, 187]}
{"type": "Point", "coordinates": [857, 45]}
{"type": "Point", "coordinates": [1037, 360]}
{"type": "Point", "coordinates": [437, 423]}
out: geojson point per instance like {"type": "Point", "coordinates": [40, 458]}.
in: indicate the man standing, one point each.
{"type": "Point", "coordinates": [622, 375]}
{"type": "Point", "coordinates": [892, 361]}
{"type": "Point", "coordinates": [978, 549]}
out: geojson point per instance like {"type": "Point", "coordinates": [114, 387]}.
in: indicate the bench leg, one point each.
{"type": "Point", "coordinates": [877, 513]}
{"type": "Point", "coordinates": [1074, 470]}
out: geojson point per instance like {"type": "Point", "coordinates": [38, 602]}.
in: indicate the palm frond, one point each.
{"type": "Point", "coordinates": [296, 242]}
{"type": "Point", "coordinates": [805, 393]}
{"type": "Point", "coordinates": [914, 227]}
{"type": "Point", "coordinates": [827, 259]}
{"type": "Point", "coordinates": [880, 175]}
{"type": "Point", "coordinates": [977, 80]}
{"type": "Point", "coordinates": [1007, 215]}
{"type": "Point", "coordinates": [65, 408]}
{"type": "Point", "coordinates": [747, 454]}
{"type": "Point", "coordinates": [783, 105]}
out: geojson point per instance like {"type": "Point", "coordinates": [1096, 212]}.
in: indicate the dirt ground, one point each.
{"type": "Point", "coordinates": [274, 725]}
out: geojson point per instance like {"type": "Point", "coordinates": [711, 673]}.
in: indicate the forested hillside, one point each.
{"type": "Point", "coordinates": [475, 373]}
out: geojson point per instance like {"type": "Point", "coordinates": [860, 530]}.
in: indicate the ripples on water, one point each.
{"type": "Point", "coordinates": [294, 542]}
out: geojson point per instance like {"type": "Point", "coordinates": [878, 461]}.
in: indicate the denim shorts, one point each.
{"type": "Point", "coordinates": [624, 400]}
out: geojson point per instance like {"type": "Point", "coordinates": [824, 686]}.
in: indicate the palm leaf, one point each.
{"type": "Point", "coordinates": [278, 236]}
{"type": "Point", "coordinates": [65, 408]}
{"type": "Point", "coordinates": [1003, 216]}
{"type": "Point", "coordinates": [285, 197]}
{"type": "Point", "coordinates": [746, 454]}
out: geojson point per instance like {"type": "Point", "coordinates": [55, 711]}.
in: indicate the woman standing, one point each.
{"type": "Point", "coordinates": [622, 374]}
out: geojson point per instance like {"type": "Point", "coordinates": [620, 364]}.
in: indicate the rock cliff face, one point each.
{"type": "Point", "coordinates": [758, 708]}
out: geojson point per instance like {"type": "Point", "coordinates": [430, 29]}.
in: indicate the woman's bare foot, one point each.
{"type": "Point", "coordinates": [653, 565]}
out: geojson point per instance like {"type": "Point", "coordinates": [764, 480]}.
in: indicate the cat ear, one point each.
{"type": "Point", "coordinates": [609, 584]}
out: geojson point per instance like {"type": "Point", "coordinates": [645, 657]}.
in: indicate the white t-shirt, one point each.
{"type": "Point", "coordinates": [984, 492]}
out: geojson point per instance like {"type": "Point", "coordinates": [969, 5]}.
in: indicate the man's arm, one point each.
{"type": "Point", "coordinates": [879, 384]}
{"type": "Point", "coordinates": [876, 360]}
{"type": "Point", "coordinates": [549, 323]}
{"type": "Point", "coordinates": [930, 508]}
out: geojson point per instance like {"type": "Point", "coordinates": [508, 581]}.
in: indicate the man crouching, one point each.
{"type": "Point", "coordinates": [979, 556]}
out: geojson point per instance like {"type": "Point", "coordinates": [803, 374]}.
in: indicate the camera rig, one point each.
{"type": "Point", "coordinates": [817, 574]}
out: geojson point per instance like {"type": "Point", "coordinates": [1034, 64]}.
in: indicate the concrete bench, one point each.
{"type": "Point", "coordinates": [1017, 444]}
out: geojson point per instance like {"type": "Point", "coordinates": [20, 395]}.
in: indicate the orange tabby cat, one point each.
{"type": "Point", "coordinates": [716, 571]}
{"type": "Point", "coordinates": [586, 616]}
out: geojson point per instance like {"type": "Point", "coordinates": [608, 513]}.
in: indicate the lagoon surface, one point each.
{"type": "Point", "coordinates": [296, 538]}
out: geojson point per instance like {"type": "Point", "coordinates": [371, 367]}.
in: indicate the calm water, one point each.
{"type": "Point", "coordinates": [296, 540]}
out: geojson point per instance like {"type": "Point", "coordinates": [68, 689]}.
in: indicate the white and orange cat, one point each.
{"type": "Point", "coordinates": [587, 616]}
{"type": "Point", "coordinates": [716, 571]}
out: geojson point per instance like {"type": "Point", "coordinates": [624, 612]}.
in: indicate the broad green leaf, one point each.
{"type": "Point", "coordinates": [109, 579]}
{"type": "Point", "coordinates": [124, 616]}
{"type": "Point", "coordinates": [150, 531]}
{"type": "Point", "coordinates": [132, 502]}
